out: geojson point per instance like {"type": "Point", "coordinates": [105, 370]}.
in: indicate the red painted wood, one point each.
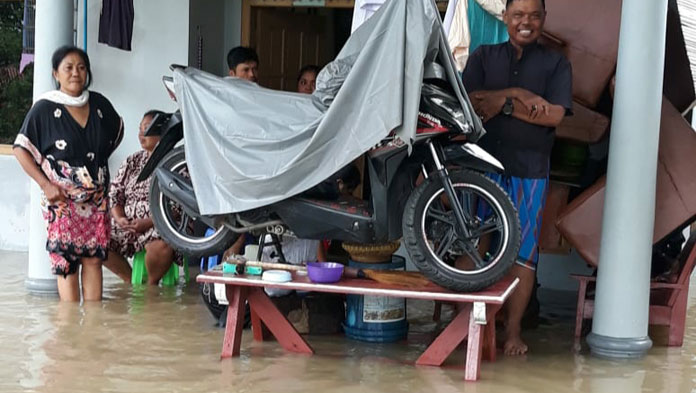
{"type": "Point", "coordinates": [667, 300]}
{"type": "Point", "coordinates": [489, 344]}
{"type": "Point", "coordinates": [231, 344]}
{"type": "Point", "coordinates": [580, 310]}
{"type": "Point", "coordinates": [265, 313]}
{"type": "Point", "coordinates": [677, 323]}
{"type": "Point", "coordinates": [256, 326]}
{"type": "Point", "coordinates": [473, 351]}
{"type": "Point", "coordinates": [495, 294]}
{"type": "Point", "coordinates": [275, 321]}
{"type": "Point", "coordinates": [448, 340]}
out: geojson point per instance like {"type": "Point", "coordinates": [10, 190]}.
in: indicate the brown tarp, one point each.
{"type": "Point", "coordinates": [587, 32]}
{"type": "Point", "coordinates": [581, 221]}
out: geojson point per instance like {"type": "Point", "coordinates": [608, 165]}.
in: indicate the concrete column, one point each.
{"type": "Point", "coordinates": [54, 28]}
{"type": "Point", "coordinates": [620, 327]}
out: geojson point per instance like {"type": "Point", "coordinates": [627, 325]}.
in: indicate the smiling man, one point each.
{"type": "Point", "coordinates": [521, 91]}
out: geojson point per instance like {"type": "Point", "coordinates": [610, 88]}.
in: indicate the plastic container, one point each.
{"type": "Point", "coordinates": [376, 318]}
{"type": "Point", "coordinates": [277, 276]}
{"type": "Point", "coordinates": [324, 272]}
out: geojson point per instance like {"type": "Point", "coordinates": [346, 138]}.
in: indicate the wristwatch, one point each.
{"type": "Point", "coordinates": [508, 108]}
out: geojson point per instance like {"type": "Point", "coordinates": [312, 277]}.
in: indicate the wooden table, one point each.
{"type": "Point", "coordinates": [476, 320]}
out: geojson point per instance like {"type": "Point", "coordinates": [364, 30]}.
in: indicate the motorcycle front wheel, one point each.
{"type": "Point", "coordinates": [462, 260]}
{"type": "Point", "coordinates": [184, 233]}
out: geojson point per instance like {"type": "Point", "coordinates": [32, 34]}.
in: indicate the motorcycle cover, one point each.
{"type": "Point", "coordinates": [247, 146]}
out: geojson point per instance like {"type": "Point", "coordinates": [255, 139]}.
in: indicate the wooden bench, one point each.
{"type": "Point", "coordinates": [667, 299]}
{"type": "Point", "coordinates": [476, 320]}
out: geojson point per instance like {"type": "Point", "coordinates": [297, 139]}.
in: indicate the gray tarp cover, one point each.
{"type": "Point", "coordinates": [247, 146]}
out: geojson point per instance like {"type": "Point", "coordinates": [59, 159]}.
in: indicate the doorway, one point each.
{"type": "Point", "coordinates": [288, 38]}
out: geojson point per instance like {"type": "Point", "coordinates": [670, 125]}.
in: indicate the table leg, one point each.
{"type": "Point", "coordinates": [473, 350]}
{"type": "Point", "coordinates": [447, 341]}
{"type": "Point", "coordinates": [256, 326]}
{"type": "Point", "coordinates": [489, 344]}
{"type": "Point", "coordinates": [236, 297]}
{"type": "Point", "coordinates": [276, 322]}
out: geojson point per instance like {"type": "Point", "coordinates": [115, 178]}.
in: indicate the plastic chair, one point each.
{"type": "Point", "coordinates": [170, 278]}
{"type": "Point", "coordinates": [668, 300]}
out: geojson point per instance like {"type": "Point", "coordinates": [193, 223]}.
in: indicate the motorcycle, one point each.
{"type": "Point", "coordinates": [437, 198]}
{"type": "Point", "coordinates": [258, 157]}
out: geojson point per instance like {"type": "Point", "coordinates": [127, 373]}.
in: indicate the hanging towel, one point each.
{"type": "Point", "coordinates": [449, 15]}
{"type": "Point", "coordinates": [116, 23]}
{"type": "Point", "coordinates": [485, 24]}
{"type": "Point", "coordinates": [458, 35]}
{"type": "Point", "coordinates": [474, 23]}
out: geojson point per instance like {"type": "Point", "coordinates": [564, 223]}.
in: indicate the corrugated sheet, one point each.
{"type": "Point", "coordinates": [687, 12]}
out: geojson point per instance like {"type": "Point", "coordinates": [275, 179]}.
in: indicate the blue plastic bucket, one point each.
{"type": "Point", "coordinates": [376, 318]}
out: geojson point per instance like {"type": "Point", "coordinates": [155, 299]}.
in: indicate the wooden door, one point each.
{"type": "Point", "coordinates": [287, 39]}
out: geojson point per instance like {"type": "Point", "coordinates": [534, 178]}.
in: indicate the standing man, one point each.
{"type": "Point", "coordinates": [521, 91]}
{"type": "Point", "coordinates": [243, 63]}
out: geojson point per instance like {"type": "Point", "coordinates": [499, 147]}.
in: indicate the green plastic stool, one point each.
{"type": "Point", "coordinates": [170, 278]}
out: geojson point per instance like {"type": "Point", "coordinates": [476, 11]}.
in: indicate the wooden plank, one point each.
{"type": "Point", "coordinates": [270, 3]}
{"type": "Point", "coordinates": [473, 350]}
{"type": "Point", "coordinates": [448, 340]}
{"type": "Point", "coordinates": [256, 326]}
{"type": "Point", "coordinates": [265, 314]}
{"type": "Point", "coordinates": [235, 321]}
{"type": "Point", "coordinates": [489, 344]}
{"type": "Point", "coordinates": [6, 150]}
{"type": "Point", "coordinates": [340, 3]}
{"type": "Point", "coordinates": [496, 294]}
{"type": "Point", "coordinates": [246, 23]}
{"type": "Point", "coordinates": [275, 321]}
{"type": "Point", "coordinates": [580, 310]}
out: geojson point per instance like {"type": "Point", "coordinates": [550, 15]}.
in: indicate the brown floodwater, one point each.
{"type": "Point", "coordinates": [142, 339]}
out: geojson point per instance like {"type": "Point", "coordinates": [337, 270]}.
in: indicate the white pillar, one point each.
{"type": "Point", "coordinates": [54, 28]}
{"type": "Point", "coordinates": [620, 322]}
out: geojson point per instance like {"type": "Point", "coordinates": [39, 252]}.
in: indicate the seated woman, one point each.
{"type": "Point", "coordinates": [132, 229]}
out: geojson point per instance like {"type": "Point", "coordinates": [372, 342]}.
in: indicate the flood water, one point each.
{"type": "Point", "coordinates": [164, 340]}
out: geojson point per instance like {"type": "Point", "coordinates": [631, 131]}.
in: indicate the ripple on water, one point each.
{"type": "Point", "coordinates": [158, 339]}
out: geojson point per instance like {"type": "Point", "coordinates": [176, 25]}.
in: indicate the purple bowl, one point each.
{"type": "Point", "coordinates": [324, 271]}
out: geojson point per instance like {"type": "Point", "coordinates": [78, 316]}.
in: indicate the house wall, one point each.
{"type": "Point", "coordinates": [14, 213]}
{"type": "Point", "coordinates": [132, 80]}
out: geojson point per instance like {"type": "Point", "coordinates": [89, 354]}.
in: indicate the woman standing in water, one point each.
{"type": "Point", "coordinates": [63, 145]}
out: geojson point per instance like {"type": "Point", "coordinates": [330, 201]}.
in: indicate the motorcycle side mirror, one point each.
{"type": "Point", "coordinates": [158, 124]}
{"type": "Point", "coordinates": [176, 67]}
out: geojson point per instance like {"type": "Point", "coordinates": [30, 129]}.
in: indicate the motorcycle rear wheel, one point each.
{"type": "Point", "coordinates": [441, 251]}
{"type": "Point", "coordinates": [184, 233]}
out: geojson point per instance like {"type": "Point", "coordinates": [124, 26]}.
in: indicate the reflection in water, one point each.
{"type": "Point", "coordinates": [164, 340]}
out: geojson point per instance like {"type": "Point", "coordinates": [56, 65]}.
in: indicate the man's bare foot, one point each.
{"type": "Point", "coordinates": [514, 346]}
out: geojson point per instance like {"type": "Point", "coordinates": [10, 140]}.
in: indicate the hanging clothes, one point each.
{"type": "Point", "coordinates": [116, 23]}
{"type": "Point", "coordinates": [449, 15]}
{"type": "Point", "coordinates": [485, 23]}
{"type": "Point", "coordinates": [363, 10]}
{"type": "Point", "coordinates": [458, 35]}
{"type": "Point", "coordinates": [477, 22]}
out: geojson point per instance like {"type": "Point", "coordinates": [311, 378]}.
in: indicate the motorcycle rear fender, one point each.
{"type": "Point", "coordinates": [472, 156]}
{"type": "Point", "coordinates": [392, 174]}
